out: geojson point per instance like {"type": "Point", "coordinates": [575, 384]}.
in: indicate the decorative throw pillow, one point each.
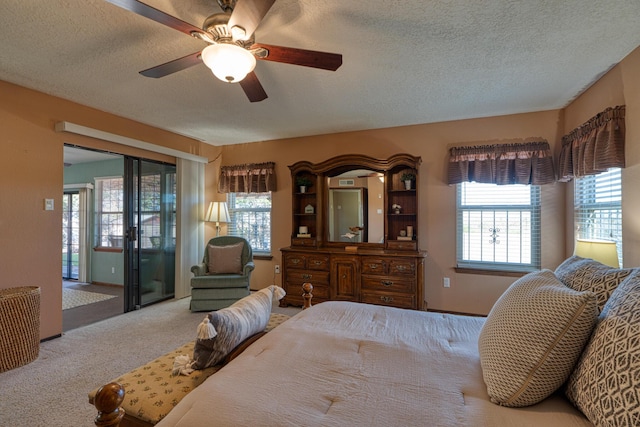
{"type": "Point", "coordinates": [605, 385]}
{"type": "Point", "coordinates": [533, 337]}
{"type": "Point", "coordinates": [225, 259]}
{"type": "Point", "coordinates": [585, 274]}
{"type": "Point", "coordinates": [233, 325]}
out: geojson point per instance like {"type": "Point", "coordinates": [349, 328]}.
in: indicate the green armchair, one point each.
{"type": "Point", "coordinates": [223, 276]}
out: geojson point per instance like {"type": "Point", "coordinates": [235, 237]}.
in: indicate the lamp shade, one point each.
{"type": "Point", "coordinates": [604, 251]}
{"type": "Point", "coordinates": [228, 62]}
{"type": "Point", "coordinates": [217, 212]}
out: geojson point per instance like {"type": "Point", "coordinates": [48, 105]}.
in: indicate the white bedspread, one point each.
{"type": "Point", "coordinates": [349, 364]}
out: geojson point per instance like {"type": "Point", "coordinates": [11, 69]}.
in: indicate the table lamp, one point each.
{"type": "Point", "coordinates": [217, 213]}
{"type": "Point", "coordinates": [603, 251]}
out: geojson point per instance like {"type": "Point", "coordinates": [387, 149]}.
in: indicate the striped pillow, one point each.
{"type": "Point", "coordinates": [533, 337]}
{"type": "Point", "coordinates": [234, 324]}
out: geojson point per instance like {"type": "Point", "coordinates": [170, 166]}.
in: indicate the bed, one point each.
{"type": "Point", "coordinates": [352, 364]}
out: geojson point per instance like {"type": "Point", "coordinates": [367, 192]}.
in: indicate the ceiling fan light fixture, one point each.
{"type": "Point", "coordinates": [228, 62]}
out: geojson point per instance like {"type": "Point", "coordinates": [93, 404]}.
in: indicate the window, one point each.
{"type": "Point", "coordinates": [498, 226]}
{"type": "Point", "coordinates": [251, 218]}
{"type": "Point", "coordinates": [598, 207]}
{"type": "Point", "coordinates": [157, 201]}
{"type": "Point", "coordinates": [109, 212]}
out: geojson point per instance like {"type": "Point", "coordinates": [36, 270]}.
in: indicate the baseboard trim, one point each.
{"type": "Point", "coordinates": [50, 338]}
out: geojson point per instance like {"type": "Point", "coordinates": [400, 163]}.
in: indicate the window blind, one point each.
{"type": "Point", "coordinates": [251, 218]}
{"type": "Point", "coordinates": [598, 207]}
{"type": "Point", "coordinates": [498, 226]}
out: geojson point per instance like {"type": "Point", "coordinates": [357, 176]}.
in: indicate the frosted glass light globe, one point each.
{"type": "Point", "coordinates": [228, 62]}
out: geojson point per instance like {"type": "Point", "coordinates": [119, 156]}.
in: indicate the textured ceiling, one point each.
{"type": "Point", "coordinates": [404, 61]}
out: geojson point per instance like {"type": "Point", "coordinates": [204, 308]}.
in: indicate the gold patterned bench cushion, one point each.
{"type": "Point", "coordinates": [151, 391]}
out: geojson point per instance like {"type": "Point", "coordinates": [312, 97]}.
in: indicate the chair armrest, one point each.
{"type": "Point", "coordinates": [248, 268]}
{"type": "Point", "coordinates": [199, 270]}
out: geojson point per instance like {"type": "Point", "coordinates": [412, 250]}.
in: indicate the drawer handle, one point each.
{"type": "Point", "coordinates": [401, 267]}
{"type": "Point", "coordinates": [386, 283]}
{"type": "Point", "coordinates": [373, 266]}
{"type": "Point", "coordinates": [295, 261]}
{"type": "Point", "coordinates": [386, 299]}
{"type": "Point", "coordinates": [316, 262]}
{"type": "Point", "coordinates": [306, 276]}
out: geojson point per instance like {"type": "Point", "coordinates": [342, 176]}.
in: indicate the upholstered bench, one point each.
{"type": "Point", "coordinates": [152, 390]}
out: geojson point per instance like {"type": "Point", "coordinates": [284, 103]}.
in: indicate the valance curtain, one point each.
{"type": "Point", "coordinates": [595, 146]}
{"type": "Point", "coordinates": [518, 163]}
{"type": "Point", "coordinates": [247, 178]}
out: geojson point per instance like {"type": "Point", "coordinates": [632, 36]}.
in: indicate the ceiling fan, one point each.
{"type": "Point", "coordinates": [232, 50]}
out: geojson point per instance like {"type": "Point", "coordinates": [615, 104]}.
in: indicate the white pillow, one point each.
{"type": "Point", "coordinates": [533, 337]}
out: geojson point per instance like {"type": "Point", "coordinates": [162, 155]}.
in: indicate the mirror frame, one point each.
{"type": "Point", "coordinates": [344, 163]}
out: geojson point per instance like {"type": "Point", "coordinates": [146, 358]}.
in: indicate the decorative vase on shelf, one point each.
{"type": "Point", "coordinates": [303, 188]}
{"type": "Point", "coordinates": [397, 211]}
{"type": "Point", "coordinates": [407, 177]}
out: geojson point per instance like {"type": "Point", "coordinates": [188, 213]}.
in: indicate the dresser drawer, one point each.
{"type": "Point", "coordinates": [391, 284]}
{"type": "Point", "coordinates": [318, 262]}
{"type": "Point", "coordinates": [295, 261]}
{"type": "Point", "coordinates": [298, 277]}
{"type": "Point", "coordinates": [390, 299]}
{"type": "Point", "coordinates": [373, 266]}
{"type": "Point", "coordinates": [320, 292]}
{"type": "Point", "coordinates": [303, 241]}
{"type": "Point", "coordinates": [402, 245]}
{"type": "Point", "coordinates": [402, 266]}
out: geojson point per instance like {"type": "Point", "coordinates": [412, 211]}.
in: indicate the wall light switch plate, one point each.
{"type": "Point", "coordinates": [48, 204]}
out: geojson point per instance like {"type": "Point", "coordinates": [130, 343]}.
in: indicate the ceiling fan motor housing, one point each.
{"type": "Point", "coordinates": [217, 26]}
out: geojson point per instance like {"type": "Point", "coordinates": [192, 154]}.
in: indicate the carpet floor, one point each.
{"type": "Point", "coordinates": [52, 390]}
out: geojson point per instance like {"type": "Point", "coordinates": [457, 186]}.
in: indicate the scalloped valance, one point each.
{"type": "Point", "coordinates": [595, 146]}
{"type": "Point", "coordinates": [247, 178]}
{"type": "Point", "coordinates": [502, 164]}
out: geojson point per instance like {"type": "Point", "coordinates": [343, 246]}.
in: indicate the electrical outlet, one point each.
{"type": "Point", "coordinates": [277, 269]}
{"type": "Point", "coordinates": [446, 282]}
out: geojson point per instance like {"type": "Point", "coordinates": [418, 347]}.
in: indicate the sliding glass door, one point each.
{"type": "Point", "coordinates": [150, 232]}
{"type": "Point", "coordinates": [70, 235]}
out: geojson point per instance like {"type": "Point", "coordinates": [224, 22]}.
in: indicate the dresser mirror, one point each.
{"type": "Point", "coordinates": [356, 206]}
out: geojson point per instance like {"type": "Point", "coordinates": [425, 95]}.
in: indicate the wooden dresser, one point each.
{"type": "Point", "coordinates": [354, 233]}
{"type": "Point", "coordinates": [381, 277]}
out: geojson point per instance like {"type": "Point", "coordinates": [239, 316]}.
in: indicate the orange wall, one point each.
{"type": "Point", "coordinates": [32, 170]}
{"type": "Point", "coordinates": [436, 231]}
{"type": "Point", "coordinates": [468, 293]}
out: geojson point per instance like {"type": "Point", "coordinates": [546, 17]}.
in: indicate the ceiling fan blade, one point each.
{"type": "Point", "coordinates": [154, 14]}
{"type": "Point", "coordinates": [306, 58]}
{"type": "Point", "coordinates": [248, 14]}
{"type": "Point", "coordinates": [173, 66]}
{"type": "Point", "coordinates": [252, 88]}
